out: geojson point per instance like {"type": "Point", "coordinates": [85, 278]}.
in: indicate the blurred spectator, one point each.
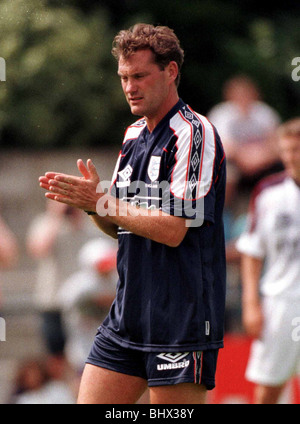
{"type": "Point", "coordinates": [234, 223]}
{"type": "Point", "coordinates": [9, 249]}
{"type": "Point", "coordinates": [86, 297]}
{"type": "Point", "coordinates": [247, 127]}
{"type": "Point", "coordinates": [53, 240]}
{"type": "Point", "coordinates": [37, 382]}
{"type": "Point", "coordinates": [270, 268]}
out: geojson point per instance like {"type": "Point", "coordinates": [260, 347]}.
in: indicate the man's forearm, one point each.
{"type": "Point", "coordinates": [250, 272]}
{"type": "Point", "coordinates": [252, 313]}
{"type": "Point", "coordinates": [153, 224]}
{"type": "Point", "coordinates": [105, 225]}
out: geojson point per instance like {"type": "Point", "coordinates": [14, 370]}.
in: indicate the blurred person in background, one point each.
{"type": "Point", "coordinates": [86, 297]}
{"type": "Point", "coordinates": [234, 224]}
{"type": "Point", "coordinates": [53, 238]}
{"type": "Point", "coordinates": [247, 127]}
{"type": "Point", "coordinates": [270, 269]}
{"type": "Point", "coordinates": [41, 381]}
{"type": "Point", "coordinates": [9, 248]}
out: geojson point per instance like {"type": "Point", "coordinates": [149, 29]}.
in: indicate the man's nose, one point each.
{"type": "Point", "coordinates": [131, 86]}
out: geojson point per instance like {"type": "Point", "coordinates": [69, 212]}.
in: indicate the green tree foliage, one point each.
{"type": "Point", "coordinates": [61, 85]}
{"type": "Point", "coordinates": [60, 88]}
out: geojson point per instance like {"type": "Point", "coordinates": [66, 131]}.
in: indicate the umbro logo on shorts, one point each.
{"type": "Point", "coordinates": [173, 357]}
{"type": "Point", "coordinates": [174, 361]}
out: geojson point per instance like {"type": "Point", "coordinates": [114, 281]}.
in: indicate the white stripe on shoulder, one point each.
{"type": "Point", "coordinates": [189, 138]}
{"type": "Point", "coordinates": [134, 130]}
{"type": "Point", "coordinates": [208, 157]}
{"type": "Point", "coordinates": [183, 131]}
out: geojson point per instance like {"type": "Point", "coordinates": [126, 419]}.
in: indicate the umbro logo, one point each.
{"type": "Point", "coordinates": [174, 359]}
{"type": "Point", "coordinates": [125, 175]}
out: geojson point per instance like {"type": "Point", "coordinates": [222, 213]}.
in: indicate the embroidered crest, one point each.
{"type": "Point", "coordinates": [153, 168]}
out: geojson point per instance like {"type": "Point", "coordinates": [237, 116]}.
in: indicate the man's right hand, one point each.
{"type": "Point", "coordinates": [80, 192]}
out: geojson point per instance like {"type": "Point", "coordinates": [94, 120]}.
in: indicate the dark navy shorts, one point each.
{"type": "Point", "coordinates": [159, 369]}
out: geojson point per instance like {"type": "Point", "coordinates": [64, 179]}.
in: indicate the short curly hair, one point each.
{"type": "Point", "coordinates": [161, 40]}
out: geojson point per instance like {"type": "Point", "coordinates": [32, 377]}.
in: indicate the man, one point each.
{"type": "Point", "coordinates": [271, 300]}
{"type": "Point", "coordinates": [165, 205]}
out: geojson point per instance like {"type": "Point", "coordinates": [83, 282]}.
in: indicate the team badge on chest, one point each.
{"type": "Point", "coordinates": [153, 168]}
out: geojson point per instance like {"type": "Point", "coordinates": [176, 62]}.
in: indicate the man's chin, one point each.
{"type": "Point", "coordinates": [136, 111]}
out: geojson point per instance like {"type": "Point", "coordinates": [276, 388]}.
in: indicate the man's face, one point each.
{"type": "Point", "coordinates": [289, 149]}
{"type": "Point", "coordinates": [145, 84]}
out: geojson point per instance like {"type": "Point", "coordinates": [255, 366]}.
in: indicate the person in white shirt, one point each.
{"type": "Point", "coordinates": [270, 269]}
{"type": "Point", "coordinates": [247, 125]}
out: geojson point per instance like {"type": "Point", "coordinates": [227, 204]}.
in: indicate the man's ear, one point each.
{"type": "Point", "coordinates": [172, 70]}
